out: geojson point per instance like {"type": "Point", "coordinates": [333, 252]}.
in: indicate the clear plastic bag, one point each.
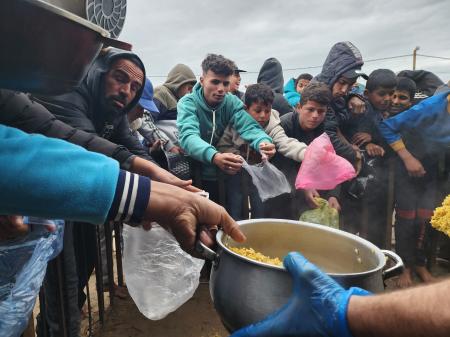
{"type": "Point", "coordinates": [268, 180]}
{"type": "Point", "coordinates": [322, 168]}
{"type": "Point", "coordinates": [160, 276]}
{"type": "Point", "coordinates": [323, 215]}
{"type": "Point", "coordinates": [23, 263]}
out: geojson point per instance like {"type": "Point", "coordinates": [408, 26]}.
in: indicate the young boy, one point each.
{"type": "Point", "coordinates": [258, 103]}
{"type": "Point", "coordinates": [305, 124]}
{"type": "Point", "coordinates": [371, 222]}
{"type": "Point", "coordinates": [411, 136]}
{"type": "Point", "coordinates": [203, 116]}
{"type": "Point", "coordinates": [294, 88]}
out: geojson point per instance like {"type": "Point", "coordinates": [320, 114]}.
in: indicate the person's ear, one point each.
{"type": "Point", "coordinates": [366, 92]}
{"type": "Point", "coordinates": [202, 79]}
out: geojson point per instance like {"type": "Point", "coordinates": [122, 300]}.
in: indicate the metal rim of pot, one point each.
{"type": "Point", "coordinates": [211, 255]}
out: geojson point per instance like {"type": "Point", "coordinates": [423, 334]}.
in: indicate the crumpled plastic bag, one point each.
{"type": "Point", "coordinates": [23, 264]}
{"type": "Point", "coordinates": [160, 276]}
{"type": "Point", "coordinates": [322, 168]}
{"type": "Point", "coordinates": [268, 180]}
{"type": "Point", "coordinates": [323, 215]}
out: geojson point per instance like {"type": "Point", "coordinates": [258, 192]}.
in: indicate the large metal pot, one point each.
{"type": "Point", "coordinates": [46, 49]}
{"type": "Point", "coordinates": [245, 291]}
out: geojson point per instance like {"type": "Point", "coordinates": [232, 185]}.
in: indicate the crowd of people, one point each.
{"type": "Point", "coordinates": [210, 128]}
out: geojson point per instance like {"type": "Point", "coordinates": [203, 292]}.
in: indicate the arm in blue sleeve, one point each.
{"type": "Point", "coordinates": [189, 132]}
{"type": "Point", "coordinates": [51, 178]}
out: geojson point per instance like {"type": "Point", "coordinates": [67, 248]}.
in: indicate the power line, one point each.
{"type": "Point", "coordinates": [320, 66]}
{"type": "Point", "coordinates": [435, 57]}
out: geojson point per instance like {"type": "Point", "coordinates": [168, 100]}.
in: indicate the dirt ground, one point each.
{"type": "Point", "coordinates": [196, 318]}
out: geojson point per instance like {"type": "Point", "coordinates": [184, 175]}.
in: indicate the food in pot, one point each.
{"type": "Point", "coordinates": [257, 256]}
{"type": "Point", "coordinates": [441, 217]}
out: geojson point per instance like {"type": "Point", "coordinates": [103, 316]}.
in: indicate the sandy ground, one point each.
{"type": "Point", "coordinates": [196, 317]}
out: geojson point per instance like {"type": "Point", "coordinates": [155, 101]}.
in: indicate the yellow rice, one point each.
{"type": "Point", "coordinates": [257, 256]}
{"type": "Point", "coordinates": [441, 217]}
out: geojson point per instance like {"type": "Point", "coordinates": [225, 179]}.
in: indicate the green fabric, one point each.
{"type": "Point", "coordinates": [195, 125]}
{"type": "Point", "coordinates": [323, 215]}
{"type": "Point", "coordinates": [178, 76]}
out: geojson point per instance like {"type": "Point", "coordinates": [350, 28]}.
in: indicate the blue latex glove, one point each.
{"type": "Point", "coordinates": [318, 306]}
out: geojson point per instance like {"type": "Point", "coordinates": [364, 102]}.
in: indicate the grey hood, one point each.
{"type": "Point", "coordinates": [343, 56]}
{"type": "Point", "coordinates": [271, 73]}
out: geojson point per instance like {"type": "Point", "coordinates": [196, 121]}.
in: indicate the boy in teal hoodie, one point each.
{"type": "Point", "coordinates": [203, 116]}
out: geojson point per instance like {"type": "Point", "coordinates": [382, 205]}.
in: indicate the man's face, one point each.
{"type": "Point", "coordinates": [235, 82]}
{"type": "Point", "coordinates": [342, 86]}
{"type": "Point", "coordinates": [301, 84]}
{"type": "Point", "coordinates": [311, 115]}
{"type": "Point", "coordinates": [401, 101]}
{"type": "Point", "coordinates": [185, 89]}
{"type": "Point", "coordinates": [380, 98]}
{"type": "Point", "coordinates": [215, 87]}
{"type": "Point", "coordinates": [122, 82]}
{"type": "Point", "coordinates": [260, 112]}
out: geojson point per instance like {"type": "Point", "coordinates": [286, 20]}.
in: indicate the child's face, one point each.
{"type": "Point", "coordinates": [342, 86]}
{"type": "Point", "coordinates": [260, 112]}
{"type": "Point", "coordinates": [380, 98]}
{"type": "Point", "coordinates": [401, 101]}
{"type": "Point", "coordinates": [301, 84]}
{"type": "Point", "coordinates": [311, 115]}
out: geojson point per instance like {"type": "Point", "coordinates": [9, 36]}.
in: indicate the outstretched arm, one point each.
{"type": "Point", "coordinates": [421, 311]}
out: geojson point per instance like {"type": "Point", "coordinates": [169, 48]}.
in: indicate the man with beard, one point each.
{"type": "Point", "coordinates": [99, 106]}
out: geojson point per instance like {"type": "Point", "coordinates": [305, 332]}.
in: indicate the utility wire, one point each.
{"type": "Point", "coordinates": [315, 67]}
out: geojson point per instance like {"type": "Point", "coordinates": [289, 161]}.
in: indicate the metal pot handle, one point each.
{"type": "Point", "coordinates": [206, 252]}
{"type": "Point", "coordinates": [397, 269]}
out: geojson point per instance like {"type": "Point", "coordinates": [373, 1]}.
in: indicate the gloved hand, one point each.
{"type": "Point", "coordinates": [318, 306]}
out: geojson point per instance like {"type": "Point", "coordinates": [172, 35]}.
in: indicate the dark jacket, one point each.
{"type": "Point", "coordinates": [84, 107]}
{"type": "Point", "coordinates": [271, 74]}
{"type": "Point", "coordinates": [165, 96]}
{"type": "Point", "coordinates": [19, 111]}
{"type": "Point", "coordinates": [291, 125]}
{"type": "Point", "coordinates": [343, 56]}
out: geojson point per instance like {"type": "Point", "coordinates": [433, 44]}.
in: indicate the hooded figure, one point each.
{"type": "Point", "coordinates": [271, 73]}
{"type": "Point", "coordinates": [343, 60]}
{"type": "Point", "coordinates": [85, 108]}
{"type": "Point", "coordinates": [166, 95]}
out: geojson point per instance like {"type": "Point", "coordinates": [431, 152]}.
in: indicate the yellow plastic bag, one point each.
{"type": "Point", "coordinates": [323, 215]}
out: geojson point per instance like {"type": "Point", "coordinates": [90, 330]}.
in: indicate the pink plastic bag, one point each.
{"type": "Point", "coordinates": [322, 168]}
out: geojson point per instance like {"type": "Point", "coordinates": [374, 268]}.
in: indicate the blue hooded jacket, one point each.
{"type": "Point", "coordinates": [291, 94]}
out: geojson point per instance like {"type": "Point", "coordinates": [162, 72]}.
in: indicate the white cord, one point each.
{"type": "Point", "coordinates": [214, 127]}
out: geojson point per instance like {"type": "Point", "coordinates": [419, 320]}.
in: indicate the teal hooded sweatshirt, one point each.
{"type": "Point", "coordinates": [201, 126]}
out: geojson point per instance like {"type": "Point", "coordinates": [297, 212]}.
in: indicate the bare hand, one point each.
{"type": "Point", "coordinates": [177, 150]}
{"type": "Point", "coordinates": [358, 163]}
{"type": "Point", "coordinates": [228, 162]}
{"type": "Point", "coordinates": [414, 167]}
{"type": "Point", "coordinates": [334, 203]}
{"type": "Point", "coordinates": [156, 146]}
{"type": "Point", "coordinates": [181, 212]}
{"type": "Point", "coordinates": [309, 197]}
{"type": "Point", "coordinates": [356, 105]}
{"type": "Point", "coordinates": [361, 137]}
{"type": "Point", "coordinates": [374, 150]}
{"type": "Point", "coordinates": [11, 227]}
{"type": "Point", "coordinates": [267, 149]}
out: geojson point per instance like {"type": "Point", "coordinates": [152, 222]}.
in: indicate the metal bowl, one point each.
{"type": "Point", "coordinates": [46, 49]}
{"type": "Point", "coordinates": [245, 291]}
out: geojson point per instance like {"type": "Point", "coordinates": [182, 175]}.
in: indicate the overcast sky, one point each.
{"type": "Point", "coordinates": [299, 33]}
